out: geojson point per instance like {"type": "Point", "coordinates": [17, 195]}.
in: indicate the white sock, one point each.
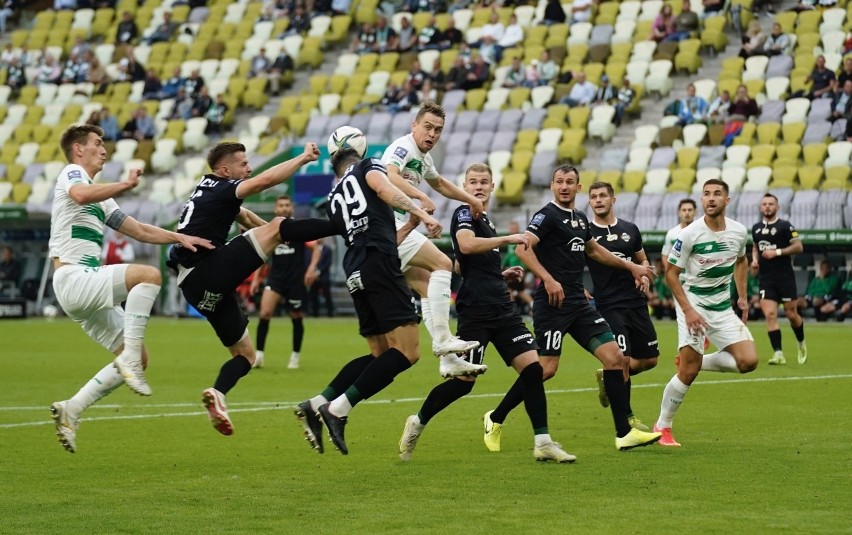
{"type": "Point", "coordinates": [426, 310]}
{"type": "Point", "coordinates": [417, 425]}
{"type": "Point", "coordinates": [541, 440]}
{"type": "Point", "coordinates": [340, 406]}
{"type": "Point", "coordinates": [104, 382]}
{"type": "Point", "coordinates": [137, 310]}
{"type": "Point", "coordinates": [317, 402]}
{"type": "Point", "coordinates": [438, 293]}
{"type": "Point", "coordinates": [720, 361]}
{"type": "Point", "coordinates": [673, 396]}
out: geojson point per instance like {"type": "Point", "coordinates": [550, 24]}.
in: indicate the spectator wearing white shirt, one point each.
{"type": "Point", "coordinates": [493, 31]}
{"type": "Point", "coordinates": [581, 11]}
{"type": "Point", "coordinates": [582, 94]}
{"type": "Point", "coordinates": [512, 35]}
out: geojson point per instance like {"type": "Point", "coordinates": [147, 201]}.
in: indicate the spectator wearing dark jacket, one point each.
{"type": "Point", "coordinates": [127, 31]}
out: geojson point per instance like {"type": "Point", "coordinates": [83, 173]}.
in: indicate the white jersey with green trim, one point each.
{"type": "Point", "coordinates": [77, 230]}
{"type": "Point", "coordinates": [414, 165]}
{"type": "Point", "coordinates": [707, 258]}
{"type": "Point", "coordinates": [671, 237]}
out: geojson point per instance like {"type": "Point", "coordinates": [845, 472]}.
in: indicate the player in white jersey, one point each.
{"type": "Point", "coordinates": [427, 270]}
{"type": "Point", "coordinates": [709, 252]}
{"type": "Point", "coordinates": [91, 294]}
{"type": "Point", "coordinates": [686, 215]}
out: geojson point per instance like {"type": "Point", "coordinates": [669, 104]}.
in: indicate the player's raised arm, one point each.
{"type": "Point", "coordinates": [278, 173]}
{"type": "Point", "coordinates": [409, 189]}
{"type": "Point", "coordinates": [92, 193]}
{"type": "Point", "coordinates": [599, 253]}
{"type": "Point", "coordinates": [146, 233]}
{"type": "Point", "coordinates": [394, 197]}
{"type": "Point", "coordinates": [469, 243]}
{"type": "Point", "coordinates": [451, 191]}
{"type": "Point", "coordinates": [249, 219]}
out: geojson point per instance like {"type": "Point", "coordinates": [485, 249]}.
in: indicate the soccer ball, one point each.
{"type": "Point", "coordinates": [347, 137]}
{"type": "Point", "coordinates": [50, 311]}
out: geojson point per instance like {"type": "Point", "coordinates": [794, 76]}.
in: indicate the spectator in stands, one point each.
{"type": "Point", "coordinates": [97, 74]}
{"type": "Point", "coordinates": [194, 83]}
{"type": "Point", "coordinates": [582, 93]}
{"type": "Point", "coordinates": [516, 75]}
{"type": "Point", "coordinates": [84, 65]}
{"type": "Point", "coordinates": [841, 105]}
{"type": "Point", "coordinates": [406, 99]}
{"type": "Point", "coordinates": [685, 25]}
{"type": "Point", "coordinates": [753, 40]}
{"type": "Point", "coordinates": [713, 7]}
{"type": "Point", "coordinates": [546, 68]}
{"type": "Point", "coordinates": [216, 116]}
{"type": "Point", "coordinates": [15, 76]}
{"type": "Point", "coordinates": [823, 80]}
{"type": "Point", "coordinates": [413, 6]}
{"type": "Point", "coordinates": [118, 250]}
{"type": "Point", "coordinates": [175, 82]}
{"type": "Point", "coordinates": [821, 291]}
{"type": "Point", "coordinates": [259, 64]}
{"type": "Point", "coordinates": [605, 94]}
{"type": "Point", "coordinates": [10, 268]}
{"type": "Point", "coordinates": [338, 7]}
{"type": "Point", "coordinates": [282, 65]}
{"type": "Point", "coordinates": [465, 53]}
{"type": "Point", "coordinates": [64, 4]}
{"type": "Point", "coordinates": [94, 118]}
{"type": "Point", "coordinates": [458, 4]}
{"type": "Point", "coordinates": [554, 13]}
{"type": "Point", "coordinates": [182, 108]}
{"type": "Point", "coordinates": [623, 101]}
{"type": "Point", "coordinates": [427, 91]}
{"type": "Point", "coordinates": [365, 41]}
{"type": "Point", "coordinates": [7, 55]}
{"type": "Point", "coordinates": [70, 69]}
{"type": "Point", "coordinates": [392, 96]}
{"type": "Point", "coordinates": [430, 36]}
{"type": "Point", "coordinates": [127, 30]}
{"type": "Point", "coordinates": [140, 126]}
{"type": "Point", "coordinates": [407, 35]}
{"type": "Point", "coordinates": [416, 76]}
{"type": "Point", "coordinates": [385, 37]}
{"type": "Point", "coordinates": [842, 304]}
{"type": "Point", "coordinates": [436, 75]}
{"type": "Point", "coordinates": [451, 37]}
{"type": "Point", "coordinates": [164, 31]}
{"type": "Point", "coordinates": [80, 46]}
{"type": "Point", "coordinates": [299, 24]}
{"type": "Point", "coordinates": [201, 103]}
{"type": "Point", "coordinates": [693, 108]}
{"type": "Point", "coordinates": [845, 73]}
{"type": "Point", "coordinates": [719, 108]}
{"type": "Point", "coordinates": [130, 70]}
{"type": "Point", "coordinates": [777, 42]}
{"type": "Point", "coordinates": [477, 74]}
{"type": "Point", "coordinates": [49, 72]}
{"type": "Point", "coordinates": [109, 124]}
{"type": "Point", "coordinates": [457, 75]}
{"type": "Point", "coordinates": [492, 32]}
{"type": "Point", "coordinates": [6, 12]}
{"type": "Point", "coordinates": [581, 10]}
{"type": "Point", "coordinates": [663, 25]}
{"type": "Point", "coordinates": [743, 106]}
{"type": "Point", "coordinates": [153, 86]}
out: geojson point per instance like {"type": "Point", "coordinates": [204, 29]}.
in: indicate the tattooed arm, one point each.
{"type": "Point", "coordinates": [394, 197]}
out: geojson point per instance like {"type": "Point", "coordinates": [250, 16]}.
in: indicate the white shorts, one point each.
{"type": "Point", "coordinates": [409, 246]}
{"type": "Point", "coordinates": [92, 297]}
{"type": "Point", "coordinates": [724, 328]}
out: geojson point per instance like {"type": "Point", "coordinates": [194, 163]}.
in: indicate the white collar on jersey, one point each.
{"type": "Point", "coordinates": [608, 227]}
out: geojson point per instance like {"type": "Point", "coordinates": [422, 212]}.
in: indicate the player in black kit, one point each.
{"type": "Point", "coordinates": [487, 314]}
{"type": "Point", "coordinates": [560, 240]}
{"type": "Point", "coordinates": [359, 206]}
{"type": "Point", "coordinates": [617, 297]}
{"type": "Point", "coordinates": [208, 279]}
{"type": "Point", "coordinates": [775, 241]}
{"type": "Point", "coordinates": [288, 279]}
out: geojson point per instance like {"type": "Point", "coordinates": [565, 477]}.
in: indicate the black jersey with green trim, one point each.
{"type": "Point", "coordinates": [614, 287]}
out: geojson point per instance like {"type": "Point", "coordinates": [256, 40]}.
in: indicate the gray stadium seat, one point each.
{"type": "Point", "coordinates": [711, 157]}
{"type": "Point", "coordinates": [581, 202]}
{"type": "Point", "coordinates": [510, 120]}
{"type": "Point", "coordinates": [772, 112]}
{"type": "Point", "coordinates": [466, 121]}
{"type": "Point", "coordinates": [779, 66]}
{"type": "Point", "coordinates": [360, 121]}
{"type": "Point", "coordinates": [503, 140]}
{"type": "Point", "coordinates": [335, 122]}
{"type": "Point", "coordinates": [453, 100]}
{"type": "Point", "coordinates": [453, 165]}
{"type": "Point", "coordinates": [488, 121]}
{"type": "Point", "coordinates": [401, 125]}
{"type": "Point", "coordinates": [34, 170]}
{"type": "Point", "coordinates": [668, 210]}
{"type": "Point", "coordinates": [803, 209]}
{"type": "Point", "coordinates": [533, 119]}
{"type": "Point", "coordinates": [830, 209]}
{"type": "Point", "coordinates": [377, 131]}
{"type": "Point", "coordinates": [820, 110]}
{"type": "Point", "coordinates": [648, 210]}
{"type": "Point", "coordinates": [614, 159]}
{"type": "Point", "coordinates": [457, 142]}
{"type": "Point", "coordinates": [475, 157]}
{"type": "Point", "coordinates": [625, 207]}
{"type": "Point", "coordinates": [847, 210]}
{"type": "Point", "coordinates": [601, 35]}
{"type": "Point", "coordinates": [785, 198]}
{"type": "Point", "coordinates": [481, 142]}
{"type": "Point", "coordinates": [748, 207]}
{"type": "Point", "coordinates": [662, 158]}
{"type": "Point", "coordinates": [112, 171]}
{"type": "Point", "coordinates": [542, 167]}
{"type": "Point", "coordinates": [817, 132]}
{"type": "Point", "coordinates": [318, 128]}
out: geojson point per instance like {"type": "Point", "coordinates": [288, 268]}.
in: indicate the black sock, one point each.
{"type": "Point", "coordinates": [298, 334]}
{"type": "Point", "coordinates": [629, 385]}
{"type": "Point", "coordinates": [302, 230]}
{"type": "Point", "coordinates": [346, 376]}
{"type": "Point", "coordinates": [442, 396]}
{"type": "Point", "coordinates": [775, 339]}
{"type": "Point", "coordinates": [799, 332]}
{"type": "Point", "coordinates": [231, 372]}
{"type": "Point", "coordinates": [262, 331]}
{"type": "Point", "coordinates": [616, 391]}
{"type": "Point", "coordinates": [532, 381]}
{"type": "Point", "coordinates": [378, 375]}
{"type": "Point", "coordinates": [513, 398]}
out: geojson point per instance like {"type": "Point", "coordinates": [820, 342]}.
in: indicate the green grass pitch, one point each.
{"type": "Point", "coordinates": [767, 451]}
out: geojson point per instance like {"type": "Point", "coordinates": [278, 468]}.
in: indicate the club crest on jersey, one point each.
{"type": "Point", "coordinates": [625, 236]}
{"type": "Point", "coordinates": [464, 216]}
{"type": "Point", "coordinates": [774, 231]}
{"type": "Point", "coordinates": [573, 224]}
{"type": "Point", "coordinates": [537, 220]}
{"type": "Point", "coordinates": [582, 224]}
{"type": "Point", "coordinates": [400, 152]}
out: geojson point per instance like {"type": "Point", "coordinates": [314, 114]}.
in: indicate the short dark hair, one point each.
{"type": "Point", "coordinates": [430, 106]}
{"type": "Point", "coordinates": [770, 195]}
{"type": "Point", "coordinates": [223, 150]}
{"type": "Point", "coordinates": [717, 182]}
{"type": "Point", "coordinates": [77, 134]}
{"type": "Point", "coordinates": [687, 201]}
{"type": "Point", "coordinates": [342, 159]}
{"type": "Point", "coordinates": [283, 198]}
{"type": "Point", "coordinates": [566, 168]}
{"type": "Point", "coordinates": [605, 185]}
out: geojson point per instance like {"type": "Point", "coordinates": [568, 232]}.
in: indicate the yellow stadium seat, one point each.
{"type": "Point", "coordinates": [557, 116]}
{"type": "Point", "coordinates": [810, 176]}
{"type": "Point", "coordinates": [389, 60]}
{"type": "Point", "coordinates": [511, 189]}
{"type": "Point", "coordinates": [357, 83]}
{"type": "Point", "coordinates": [521, 160]}
{"type": "Point", "coordinates": [837, 177]}
{"type": "Point", "coordinates": [713, 35]}
{"type": "Point", "coordinates": [367, 63]}
{"type": "Point", "coordinates": [339, 30]}
{"type": "Point", "coordinates": [34, 115]}
{"type": "Point", "coordinates": [337, 83]}
{"type": "Point", "coordinates": [783, 176]}
{"type": "Point", "coordinates": [21, 192]}
{"type": "Point", "coordinates": [787, 20]}
{"type": "Point", "coordinates": [761, 155]}
{"type": "Point", "coordinates": [814, 153]}
{"type": "Point", "coordinates": [519, 96]}
{"type": "Point", "coordinates": [349, 102]}
{"type": "Point", "coordinates": [607, 13]}
{"type": "Point", "coordinates": [611, 176]}
{"type": "Point", "coordinates": [28, 95]}
{"type": "Point", "coordinates": [448, 57]}
{"type": "Point", "coordinates": [682, 180]}
{"type": "Point", "coordinates": [531, 53]}
{"type": "Point", "coordinates": [398, 77]}
{"type": "Point", "coordinates": [578, 117]}
{"type": "Point", "coordinates": [317, 84]}
{"type": "Point", "coordinates": [23, 133]}
{"type": "Point", "coordinates": [14, 172]}
{"type": "Point", "coordinates": [298, 122]}
{"type": "Point", "coordinates": [475, 99]}
{"type": "Point", "coordinates": [687, 58]}
{"type": "Point", "coordinates": [746, 136]}
{"type": "Point", "coordinates": [687, 157]}
{"type": "Point", "coordinates": [793, 132]}
{"type": "Point", "coordinates": [620, 52]}
{"type": "Point", "coordinates": [526, 140]}
{"type": "Point", "coordinates": [311, 52]}
{"type": "Point", "coordinates": [808, 22]}
{"type": "Point", "coordinates": [788, 152]}
{"type": "Point", "coordinates": [535, 35]}
{"type": "Point", "coordinates": [767, 133]}
{"type": "Point", "coordinates": [557, 35]}
{"type": "Point", "coordinates": [41, 133]}
{"type": "Point", "coordinates": [571, 147]}
{"type": "Point", "coordinates": [308, 103]}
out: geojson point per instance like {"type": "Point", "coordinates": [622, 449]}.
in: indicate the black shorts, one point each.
{"type": "Point", "coordinates": [579, 319]}
{"type": "Point", "coordinates": [634, 333]}
{"type": "Point", "coordinates": [292, 293]}
{"type": "Point", "coordinates": [210, 287]}
{"type": "Point", "coordinates": [498, 324]}
{"type": "Point", "coordinates": [383, 300]}
{"type": "Point", "coordinates": [778, 289]}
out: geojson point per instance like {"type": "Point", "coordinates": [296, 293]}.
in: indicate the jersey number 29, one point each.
{"type": "Point", "coordinates": [351, 202]}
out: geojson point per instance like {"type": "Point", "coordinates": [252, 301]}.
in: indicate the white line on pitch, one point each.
{"type": "Point", "coordinates": [277, 405]}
